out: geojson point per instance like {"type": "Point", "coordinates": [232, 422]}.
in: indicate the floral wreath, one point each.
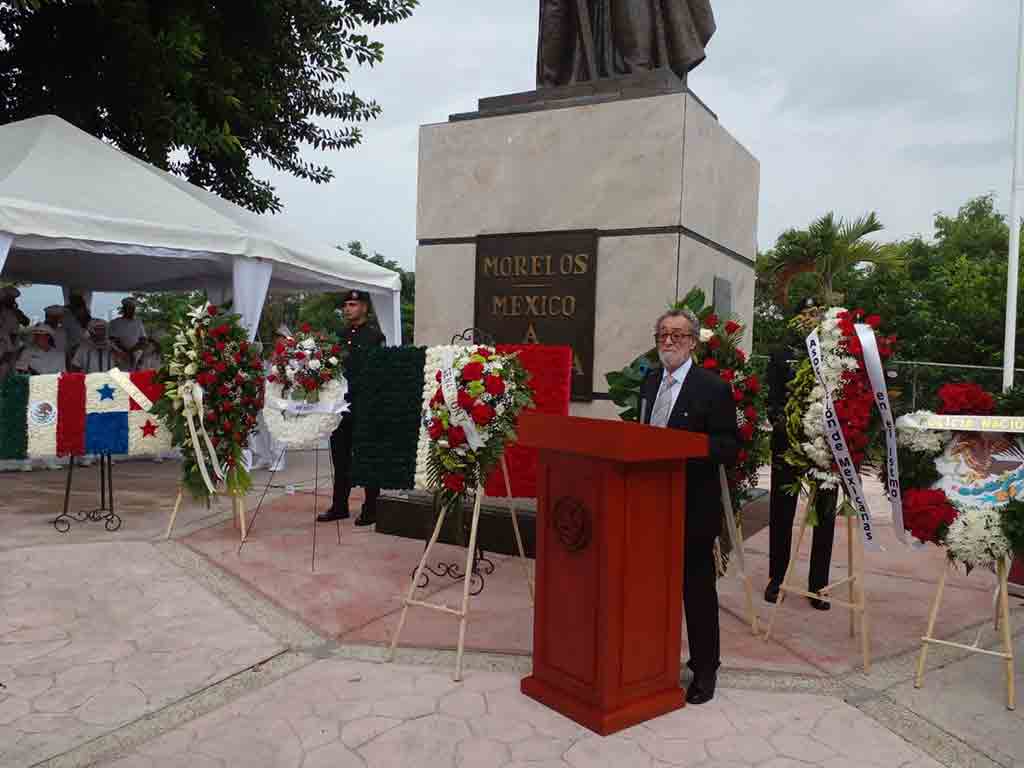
{"type": "Point", "coordinates": [213, 379]}
{"type": "Point", "coordinates": [306, 388]}
{"type": "Point", "coordinates": [472, 417]}
{"type": "Point", "coordinates": [973, 535]}
{"type": "Point", "coordinates": [844, 372]}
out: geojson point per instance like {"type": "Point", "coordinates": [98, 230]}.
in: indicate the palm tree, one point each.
{"type": "Point", "coordinates": [828, 247]}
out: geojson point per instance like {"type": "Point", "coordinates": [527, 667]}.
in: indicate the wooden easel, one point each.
{"type": "Point", "coordinates": [1002, 621]}
{"type": "Point", "coordinates": [854, 579]}
{"type": "Point", "coordinates": [737, 548]}
{"type": "Point", "coordinates": [463, 612]}
{"type": "Point", "coordinates": [237, 510]}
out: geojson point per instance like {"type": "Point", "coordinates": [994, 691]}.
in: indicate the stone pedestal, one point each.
{"type": "Point", "coordinates": [672, 195]}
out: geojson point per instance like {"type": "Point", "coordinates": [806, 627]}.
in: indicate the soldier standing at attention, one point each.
{"type": "Point", "coordinates": [359, 334]}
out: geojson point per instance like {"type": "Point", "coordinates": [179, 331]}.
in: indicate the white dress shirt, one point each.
{"type": "Point", "coordinates": [677, 377]}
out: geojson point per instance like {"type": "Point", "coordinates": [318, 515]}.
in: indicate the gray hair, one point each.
{"type": "Point", "coordinates": [684, 312]}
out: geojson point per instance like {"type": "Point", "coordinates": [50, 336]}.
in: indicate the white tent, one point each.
{"type": "Point", "coordinates": [78, 213]}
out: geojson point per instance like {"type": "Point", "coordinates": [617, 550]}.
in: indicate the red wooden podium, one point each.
{"type": "Point", "coordinates": [608, 611]}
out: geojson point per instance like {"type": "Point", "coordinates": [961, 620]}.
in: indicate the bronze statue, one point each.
{"type": "Point", "coordinates": [582, 40]}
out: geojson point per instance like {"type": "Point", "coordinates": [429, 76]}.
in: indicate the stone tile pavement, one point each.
{"type": "Point", "coordinates": [340, 713]}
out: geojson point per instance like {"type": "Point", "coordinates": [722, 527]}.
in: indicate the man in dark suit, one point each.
{"type": "Point", "coordinates": [682, 395]}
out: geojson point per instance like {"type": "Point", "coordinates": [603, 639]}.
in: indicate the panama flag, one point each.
{"type": "Point", "coordinates": [72, 414]}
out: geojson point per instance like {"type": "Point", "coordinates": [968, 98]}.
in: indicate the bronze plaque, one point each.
{"type": "Point", "coordinates": [540, 289]}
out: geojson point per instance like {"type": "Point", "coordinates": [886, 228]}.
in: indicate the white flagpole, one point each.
{"type": "Point", "coordinates": [1012, 268]}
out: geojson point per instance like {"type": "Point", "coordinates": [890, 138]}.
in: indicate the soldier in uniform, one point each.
{"type": "Point", "coordinates": [11, 320]}
{"type": "Point", "coordinates": [782, 503]}
{"type": "Point", "coordinates": [359, 334]}
{"type": "Point", "coordinates": [96, 353]}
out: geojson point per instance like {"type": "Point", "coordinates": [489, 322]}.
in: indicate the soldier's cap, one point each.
{"type": "Point", "coordinates": [54, 309]}
{"type": "Point", "coordinates": [9, 292]}
{"type": "Point", "coordinates": [362, 296]}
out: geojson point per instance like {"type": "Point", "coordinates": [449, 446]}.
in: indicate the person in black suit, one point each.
{"type": "Point", "coordinates": [682, 395]}
{"type": "Point", "coordinates": [359, 334]}
{"type": "Point", "coordinates": [782, 503]}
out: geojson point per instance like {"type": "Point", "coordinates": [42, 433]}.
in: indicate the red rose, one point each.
{"type": "Point", "coordinates": [742, 456]}
{"type": "Point", "coordinates": [456, 436]}
{"type": "Point", "coordinates": [221, 367]}
{"type": "Point", "coordinates": [728, 375]}
{"type": "Point", "coordinates": [300, 355]}
{"type": "Point", "coordinates": [731, 326]}
{"type": "Point", "coordinates": [224, 390]}
{"type": "Point", "coordinates": [305, 327]}
{"type": "Point", "coordinates": [741, 355]}
{"type": "Point", "coordinates": [737, 395]}
{"type": "Point", "coordinates": [211, 416]}
{"type": "Point", "coordinates": [711, 321]}
{"type": "Point", "coordinates": [271, 378]}
{"type": "Point", "coordinates": [438, 377]}
{"type": "Point", "coordinates": [746, 432]}
{"type": "Point", "coordinates": [927, 514]}
{"type": "Point", "coordinates": [279, 349]}
{"type": "Point", "coordinates": [753, 384]}
{"type": "Point", "coordinates": [714, 342]}
{"type": "Point", "coordinates": [750, 413]}
{"type": "Point", "coordinates": [494, 385]}
{"type": "Point", "coordinates": [965, 398]}
{"type": "Point", "coordinates": [873, 320]}
{"type": "Point", "coordinates": [466, 401]}
{"type": "Point", "coordinates": [211, 310]}
{"type": "Point", "coordinates": [238, 358]}
{"type": "Point", "coordinates": [472, 372]}
{"type": "Point", "coordinates": [455, 483]}
{"type": "Point", "coordinates": [335, 349]}
{"type": "Point", "coordinates": [436, 429]}
{"type": "Point", "coordinates": [711, 364]}
{"type": "Point", "coordinates": [244, 346]}
{"type": "Point", "coordinates": [483, 352]}
{"type": "Point", "coordinates": [221, 346]}
{"type": "Point", "coordinates": [438, 397]}
{"type": "Point", "coordinates": [482, 414]}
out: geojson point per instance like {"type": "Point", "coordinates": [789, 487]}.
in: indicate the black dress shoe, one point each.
{"type": "Point", "coordinates": [771, 592]}
{"type": "Point", "coordinates": [330, 516]}
{"type": "Point", "coordinates": [702, 689]}
{"type": "Point", "coordinates": [821, 605]}
{"type": "Point", "coordinates": [366, 518]}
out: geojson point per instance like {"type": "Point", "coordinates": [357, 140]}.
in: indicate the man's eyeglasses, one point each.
{"type": "Point", "coordinates": [675, 336]}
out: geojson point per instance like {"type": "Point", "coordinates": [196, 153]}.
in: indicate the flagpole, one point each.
{"type": "Point", "coordinates": [1013, 263]}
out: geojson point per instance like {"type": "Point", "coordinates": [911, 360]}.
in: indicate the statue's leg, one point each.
{"type": "Point", "coordinates": [556, 42]}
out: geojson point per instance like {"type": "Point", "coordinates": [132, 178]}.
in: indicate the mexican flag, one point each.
{"type": "Point", "coordinates": [72, 414]}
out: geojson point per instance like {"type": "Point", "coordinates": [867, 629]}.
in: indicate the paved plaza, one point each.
{"type": "Point", "coordinates": [123, 649]}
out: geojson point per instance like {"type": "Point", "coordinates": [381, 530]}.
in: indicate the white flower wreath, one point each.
{"type": "Point", "coordinates": [303, 425]}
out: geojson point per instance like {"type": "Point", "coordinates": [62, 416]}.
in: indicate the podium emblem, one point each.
{"type": "Point", "coordinates": [572, 523]}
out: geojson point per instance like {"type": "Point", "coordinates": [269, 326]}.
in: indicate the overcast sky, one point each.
{"type": "Point", "coordinates": [901, 106]}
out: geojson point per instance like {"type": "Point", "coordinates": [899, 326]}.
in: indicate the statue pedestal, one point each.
{"type": "Point", "coordinates": [672, 197]}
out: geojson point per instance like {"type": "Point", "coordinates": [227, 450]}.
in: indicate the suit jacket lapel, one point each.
{"type": "Point", "coordinates": [648, 392]}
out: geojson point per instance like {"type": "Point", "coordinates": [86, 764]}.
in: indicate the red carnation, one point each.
{"type": "Point", "coordinates": [305, 327]}
{"type": "Point", "coordinates": [873, 320]}
{"type": "Point", "coordinates": [211, 310]}
{"type": "Point", "coordinates": [750, 413]}
{"type": "Point", "coordinates": [436, 429]}
{"type": "Point", "coordinates": [737, 395]}
{"type": "Point", "coordinates": [753, 384]}
{"type": "Point", "coordinates": [482, 414]}
{"type": "Point", "coordinates": [221, 346]}
{"type": "Point", "coordinates": [731, 326]}
{"type": "Point", "coordinates": [300, 355]}
{"type": "Point", "coordinates": [456, 436]}
{"type": "Point", "coordinates": [494, 385]}
{"type": "Point", "coordinates": [714, 342]}
{"type": "Point", "coordinates": [279, 349]}
{"type": "Point", "coordinates": [741, 355]}
{"type": "Point", "coordinates": [742, 456]}
{"type": "Point", "coordinates": [221, 367]}
{"type": "Point", "coordinates": [966, 398]}
{"type": "Point", "coordinates": [711, 321]}
{"type": "Point", "coordinates": [455, 483]}
{"type": "Point", "coordinates": [746, 432]}
{"type": "Point", "coordinates": [483, 352]}
{"type": "Point", "coordinates": [927, 514]}
{"type": "Point", "coordinates": [728, 375]}
{"type": "Point", "coordinates": [711, 364]}
{"type": "Point", "coordinates": [472, 372]}
{"type": "Point", "coordinates": [466, 400]}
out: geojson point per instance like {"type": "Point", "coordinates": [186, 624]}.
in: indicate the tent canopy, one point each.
{"type": "Point", "coordinates": [80, 213]}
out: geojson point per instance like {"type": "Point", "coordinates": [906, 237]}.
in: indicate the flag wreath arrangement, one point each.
{"type": "Point", "coordinates": [213, 383]}
{"type": "Point", "coordinates": [74, 414]}
{"type": "Point", "coordinates": [306, 388]}
{"type": "Point", "coordinates": [963, 491]}
{"type": "Point", "coordinates": [471, 417]}
{"type": "Point", "coordinates": [835, 430]}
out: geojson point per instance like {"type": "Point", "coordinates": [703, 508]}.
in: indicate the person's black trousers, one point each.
{"type": "Point", "coordinates": [700, 602]}
{"type": "Point", "coordinates": [341, 456]}
{"type": "Point", "coordinates": [782, 513]}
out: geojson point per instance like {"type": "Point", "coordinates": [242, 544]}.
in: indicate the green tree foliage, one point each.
{"type": "Point", "coordinates": [195, 87]}
{"type": "Point", "coordinates": [159, 310]}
